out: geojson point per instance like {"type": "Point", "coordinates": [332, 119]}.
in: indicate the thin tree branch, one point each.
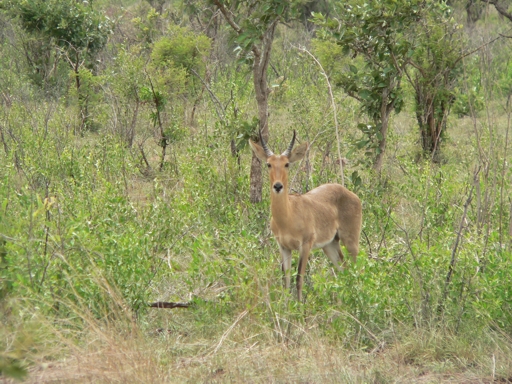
{"type": "Point", "coordinates": [216, 101]}
{"type": "Point", "coordinates": [228, 331]}
{"type": "Point", "coordinates": [228, 15]}
{"type": "Point", "coordinates": [171, 246]}
{"type": "Point", "coordinates": [478, 48]}
{"type": "Point", "coordinates": [268, 38]}
{"type": "Point", "coordinates": [141, 148]}
{"type": "Point", "coordinates": [501, 10]}
{"type": "Point", "coordinates": [275, 70]}
{"type": "Point", "coordinates": [451, 267]}
{"type": "Point", "coordinates": [333, 105]}
{"type": "Point", "coordinates": [157, 102]}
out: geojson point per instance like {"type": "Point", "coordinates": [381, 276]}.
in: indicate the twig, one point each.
{"type": "Point", "coordinates": [216, 101]}
{"type": "Point", "coordinates": [275, 70]}
{"type": "Point", "coordinates": [493, 367]}
{"type": "Point", "coordinates": [141, 148]}
{"type": "Point", "coordinates": [375, 338]}
{"type": "Point", "coordinates": [162, 259]}
{"type": "Point", "coordinates": [453, 260]}
{"type": "Point", "coordinates": [501, 10]}
{"type": "Point", "coordinates": [503, 170]}
{"type": "Point", "coordinates": [368, 242]}
{"type": "Point", "coordinates": [423, 291]}
{"type": "Point", "coordinates": [384, 230]}
{"type": "Point", "coordinates": [510, 221]}
{"type": "Point", "coordinates": [47, 232]}
{"type": "Point", "coordinates": [228, 331]}
{"type": "Point", "coordinates": [228, 16]}
{"type": "Point", "coordinates": [158, 104]}
{"type": "Point", "coordinates": [333, 105]}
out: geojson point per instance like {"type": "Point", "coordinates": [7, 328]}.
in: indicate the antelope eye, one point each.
{"type": "Point", "coordinates": [268, 165]}
{"type": "Point", "coordinates": [287, 165]}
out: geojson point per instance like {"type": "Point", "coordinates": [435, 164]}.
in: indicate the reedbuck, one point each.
{"type": "Point", "coordinates": [318, 219]}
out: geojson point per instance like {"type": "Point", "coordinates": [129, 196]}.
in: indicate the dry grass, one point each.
{"type": "Point", "coordinates": [138, 361]}
{"type": "Point", "coordinates": [243, 350]}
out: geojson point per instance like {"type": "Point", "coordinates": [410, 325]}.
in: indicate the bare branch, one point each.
{"type": "Point", "coordinates": [480, 47]}
{"type": "Point", "coordinates": [268, 37]}
{"type": "Point", "coordinates": [500, 8]}
{"type": "Point", "coordinates": [228, 331]}
{"type": "Point", "coordinates": [451, 267]}
{"type": "Point", "coordinates": [216, 101]}
{"type": "Point", "coordinates": [333, 105]}
{"type": "Point", "coordinates": [141, 148]}
{"type": "Point", "coordinates": [228, 15]}
{"type": "Point", "coordinates": [165, 304]}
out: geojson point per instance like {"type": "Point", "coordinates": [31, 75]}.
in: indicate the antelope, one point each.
{"type": "Point", "coordinates": [320, 218]}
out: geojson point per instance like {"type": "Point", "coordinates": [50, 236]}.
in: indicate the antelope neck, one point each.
{"type": "Point", "coordinates": [280, 206]}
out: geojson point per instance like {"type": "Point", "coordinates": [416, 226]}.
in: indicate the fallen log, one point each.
{"type": "Point", "coordinates": [165, 304]}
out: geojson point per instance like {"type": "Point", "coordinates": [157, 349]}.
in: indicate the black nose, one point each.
{"type": "Point", "coordinates": [278, 186]}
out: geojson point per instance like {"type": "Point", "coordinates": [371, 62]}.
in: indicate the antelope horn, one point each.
{"type": "Point", "coordinates": [288, 152]}
{"type": "Point", "coordinates": [267, 150]}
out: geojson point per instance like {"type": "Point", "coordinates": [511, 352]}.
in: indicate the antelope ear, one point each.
{"type": "Point", "coordinates": [258, 151]}
{"type": "Point", "coordinates": [299, 152]}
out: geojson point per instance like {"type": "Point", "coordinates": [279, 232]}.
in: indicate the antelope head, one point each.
{"type": "Point", "coordinates": [278, 165]}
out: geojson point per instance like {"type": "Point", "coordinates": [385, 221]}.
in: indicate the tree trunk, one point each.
{"type": "Point", "coordinates": [431, 124]}
{"type": "Point", "coordinates": [261, 61]}
{"type": "Point", "coordinates": [385, 112]}
{"type": "Point", "coordinates": [261, 52]}
{"type": "Point", "coordinates": [379, 159]}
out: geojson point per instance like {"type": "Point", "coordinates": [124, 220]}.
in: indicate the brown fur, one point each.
{"type": "Point", "coordinates": [320, 218]}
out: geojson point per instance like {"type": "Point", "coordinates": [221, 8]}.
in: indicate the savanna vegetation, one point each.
{"type": "Point", "coordinates": [126, 179]}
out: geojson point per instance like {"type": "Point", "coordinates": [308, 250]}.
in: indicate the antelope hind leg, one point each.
{"type": "Point", "coordinates": [333, 252]}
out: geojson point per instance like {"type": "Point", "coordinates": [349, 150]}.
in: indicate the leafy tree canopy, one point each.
{"type": "Point", "coordinates": [68, 23]}
{"type": "Point", "coordinates": [182, 48]}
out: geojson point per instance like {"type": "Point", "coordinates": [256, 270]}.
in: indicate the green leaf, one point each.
{"type": "Point", "coordinates": [365, 94]}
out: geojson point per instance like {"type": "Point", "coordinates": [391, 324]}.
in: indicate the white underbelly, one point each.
{"type": "Point", "coordinates": [289, 242]}
{"type": "Point", "coordinates": [321, 245]}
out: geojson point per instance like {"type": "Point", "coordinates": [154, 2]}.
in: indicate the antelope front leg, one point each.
{"type": "Point", "coordinates": [303, 261]}
{"type": "Point", "coordinates": [286, 264]}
